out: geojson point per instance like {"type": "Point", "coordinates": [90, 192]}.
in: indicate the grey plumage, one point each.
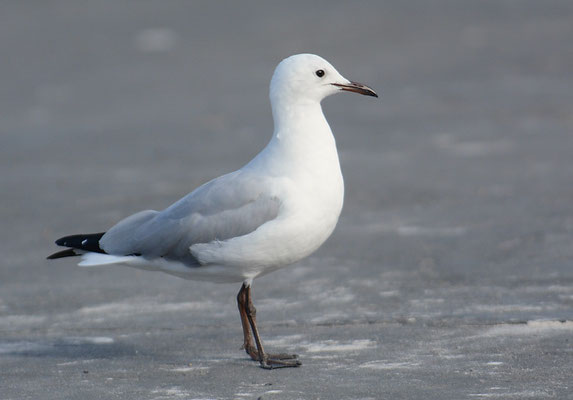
{"type": "Point", "coordinates": [229, 206]}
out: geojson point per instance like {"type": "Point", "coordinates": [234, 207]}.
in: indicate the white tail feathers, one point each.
{"type": "Point", "coordinates": [97, 259]}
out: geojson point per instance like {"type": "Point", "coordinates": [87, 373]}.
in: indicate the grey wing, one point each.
{"type": "Point", "coordinates": [230, 206]}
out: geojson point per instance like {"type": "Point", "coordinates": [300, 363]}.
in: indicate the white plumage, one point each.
{"type": "Point", "coordinates": [274, 211]}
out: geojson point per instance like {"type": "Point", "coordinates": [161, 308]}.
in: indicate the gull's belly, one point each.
{"type": "Point", "coordinates": [307, 218]}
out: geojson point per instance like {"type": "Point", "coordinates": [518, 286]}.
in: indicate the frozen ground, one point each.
{"type": "Point", "coordinates": [449, 276]}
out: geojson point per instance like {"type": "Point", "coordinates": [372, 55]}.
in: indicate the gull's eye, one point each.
{"type": "Point", "coordinates": [320, 73]}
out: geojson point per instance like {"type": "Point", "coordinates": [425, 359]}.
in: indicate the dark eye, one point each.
{"type": "Point", "coordinates": [320, 73]}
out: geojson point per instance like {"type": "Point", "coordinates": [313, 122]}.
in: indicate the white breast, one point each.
{"type": "Point", "coordinates": [308, 181]}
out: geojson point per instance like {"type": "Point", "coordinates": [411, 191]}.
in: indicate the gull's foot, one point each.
{"type": "Point", "coordinates": [270, 361]}
{"type": "Point", "coordinates": [282, 361]}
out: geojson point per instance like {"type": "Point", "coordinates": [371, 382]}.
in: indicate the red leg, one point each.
{"type": "Point", "coordinates": [268, 361]}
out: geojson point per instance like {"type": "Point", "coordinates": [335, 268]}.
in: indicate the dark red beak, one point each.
{"type": "Point", "coordinates": [356, 88]}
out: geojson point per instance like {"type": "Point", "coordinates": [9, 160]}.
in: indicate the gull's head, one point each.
{"type": "Point", "coordinates": [308, 77]}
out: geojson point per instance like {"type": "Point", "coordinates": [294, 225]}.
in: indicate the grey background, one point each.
{"type": "Point", "coordinates": [449, 275]}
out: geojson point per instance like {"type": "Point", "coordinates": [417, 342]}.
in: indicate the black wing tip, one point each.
{"type": "Point", "coordinates": [86, 242]}
{"type": "Point", "coordinates": [76, 240]}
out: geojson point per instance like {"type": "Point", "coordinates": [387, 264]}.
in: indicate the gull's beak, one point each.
{"type": "Point", "coordinates": [356, 88]}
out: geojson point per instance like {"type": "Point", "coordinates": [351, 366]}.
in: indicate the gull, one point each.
{"type": "Point", "coordinates": [274, 211]}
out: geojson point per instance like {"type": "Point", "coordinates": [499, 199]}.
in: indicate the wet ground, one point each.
{"type": "Point", "coordinates": [449, 276]}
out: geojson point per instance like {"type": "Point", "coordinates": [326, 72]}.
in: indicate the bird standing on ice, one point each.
{"type": "Point", "coordinates": [276, 210]}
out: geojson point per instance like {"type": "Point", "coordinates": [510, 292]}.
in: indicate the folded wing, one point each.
{"type": "Point", "coordinates": [232, 205]}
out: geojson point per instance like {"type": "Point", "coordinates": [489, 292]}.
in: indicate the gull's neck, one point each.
{"type": "Point", "coordinates": [302, 142]}
{"type": "Point", "coordinates": [301, 126]}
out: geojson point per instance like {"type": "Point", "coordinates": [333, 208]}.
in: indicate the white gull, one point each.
{"type": "Point", "coordinates": [274, 211]}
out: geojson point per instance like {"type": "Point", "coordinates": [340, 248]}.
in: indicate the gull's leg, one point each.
{"type": "Point", "coordinates": [268, 361]}
{"type": "Point", "coordinates": [247, 338]}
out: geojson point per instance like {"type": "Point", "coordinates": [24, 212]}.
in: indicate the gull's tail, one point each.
{"type": "Point", "coordinates": [78, 245]}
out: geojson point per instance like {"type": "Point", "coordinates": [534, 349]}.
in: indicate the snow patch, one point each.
{"type": "Point", "coordinates": [515, 395]}
{"type": "Point", "coordinates": [175, 392]}
{"type": "Point", "coordinates": [329, 318]}
{"type": "Point", "coordinates": [503, 308]}
{"type": "Point", "coordinates": [384, 364]}
{"type": "Point", "coordinates": [389, 293]}
{"type": "Point", "coordinates": [23, 347]}
{"type": "Point", "coordinates": [276, 303]}
{"type": "Point", "coordinates": [77, 341]}
{"type": "Point", "coordinates": [339, 295]}
{"type": "Point", "coordinates": [535, 327]}
{"type": "Point", "coordinates": [334, 345]}
{"type": "Point", "coordinates": [190, 368]}
{"type": "Point", "coordinates": [283, 341]}
{"type": "Point", "coordinates": [86, 361]}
